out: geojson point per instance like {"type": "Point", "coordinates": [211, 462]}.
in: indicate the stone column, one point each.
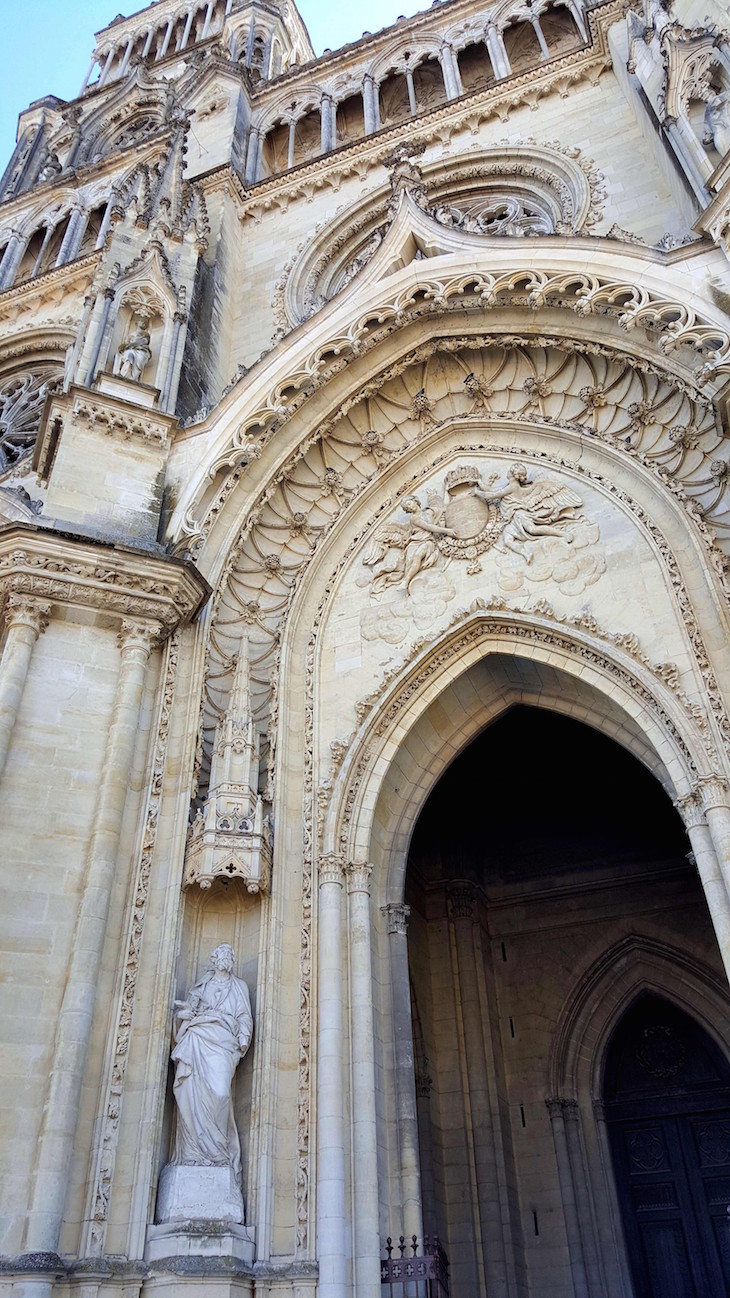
{"type": "Point", "coordinates": [186, 30]}
{"type": "Point", "coordinates": [581, 1187]}
{"type": "Point", "coordinates": [11, 259]}
{"type": "Point", "coordinates": [208, 16]}
{"type": "Point", "coordinates": [252, 155]}
{"type": "Point", "coordinates": [411, 91]}
{"type": "Point", "coordinates": [87, 78]}
{"type": "Point", "coordinates": [364, 1121]}
{"type": "Point", "coordinates": [102, 332]}
{"type": "Point", "coordinates": [290, 147]}
{"type": "Point", "coordinates": [331, 1217]}
{"type": "Point", "coordinates": [148, 42]}
{"type": "Point", "coordinates": [25, 618]}
{"type": "Point", "coordinates": [72, 238]}
{"type": "Point", "coordinates": [166, 39]}
{"type": "Point", "coordinates": [497, 52]}
{"type": "Point", "coordinates": [556, 1109]}
{"type": "Point", "coordinates": [127, 56]}
{"type": "Point", "coordinates": [577, 11]}
{"type": "Point", "coordinates": [326, 120]}
{"type": "Point", "coordinates": [371, 110]}
{"type": "Point", "coordinates": [107, 67]}
{"type": "Point", "coordinates": [166, 401]}
{"type": "Point", "coordinates": [540, 36]}
{"type": "Point", "coordinates": [41, 253]}
{"type": "Point", "coordinates": [447, 59]}
{"type": "Point", "coordinates": [405, 1080]}
{"type": "Point", "coordinates": [55, 1146]}
{"type": "Point", "coordinates": [464, 916]}
{"type": "Point", "coordinates": [713, 878]}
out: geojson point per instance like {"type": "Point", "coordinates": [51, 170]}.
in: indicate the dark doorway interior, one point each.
{"type": "Point", "coordinates": [537, 793]}
{"type": "Point", "coordinates": [667, 1095]}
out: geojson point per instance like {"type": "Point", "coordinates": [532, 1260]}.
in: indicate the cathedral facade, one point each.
{"type": "Point", "coordinates": [365, 680]}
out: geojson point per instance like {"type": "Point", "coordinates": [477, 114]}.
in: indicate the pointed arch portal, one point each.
{"type": "Point", "coordinates": [545, 838]}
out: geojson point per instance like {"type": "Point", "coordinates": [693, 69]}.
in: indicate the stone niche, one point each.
{"type": "Point", "coordinates": [224, 913]}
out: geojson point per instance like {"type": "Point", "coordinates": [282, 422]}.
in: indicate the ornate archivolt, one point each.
{"type": "Point", "coordinates": [555, 189]}
{"type": "Point", "coordinates": [596, 308]}
{"type": "Point", "coordinates": [485, 392]}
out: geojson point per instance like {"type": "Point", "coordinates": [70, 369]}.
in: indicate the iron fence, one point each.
{"type": "Point", "coordinates": [405, 1274]}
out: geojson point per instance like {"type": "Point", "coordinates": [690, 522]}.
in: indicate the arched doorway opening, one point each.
{"type": "Point", "coordinates": [543, 844]}
{"type": "Point", "coordinates": [667, 1104]}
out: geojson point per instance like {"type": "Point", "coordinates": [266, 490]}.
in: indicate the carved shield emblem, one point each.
{"type": "Point", "coordinates": [467, 515]}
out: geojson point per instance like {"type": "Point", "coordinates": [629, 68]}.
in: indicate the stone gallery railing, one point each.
{"type": "Point", "coordinates": [418, 1275]}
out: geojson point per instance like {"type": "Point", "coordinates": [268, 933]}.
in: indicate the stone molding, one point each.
{"type": "Point", "coordinates": [86, 575]}
{"type": "Point", "coordinates": [117, 421]}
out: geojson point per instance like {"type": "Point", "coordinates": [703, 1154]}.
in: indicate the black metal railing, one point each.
{"type": "Point", "coordinates": [405, 1274]}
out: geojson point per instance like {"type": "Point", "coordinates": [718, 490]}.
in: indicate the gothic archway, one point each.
{"type": "Point", "coordinates": [540, 842]}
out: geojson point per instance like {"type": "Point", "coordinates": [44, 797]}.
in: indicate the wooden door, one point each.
{"type": "Point", "coordinates": [668, 1108]}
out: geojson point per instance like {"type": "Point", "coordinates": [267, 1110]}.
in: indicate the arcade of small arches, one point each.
{"type": "Point", "coordinates": [182, 29]}
{"type": "Point", "coordinates": [409, 82]}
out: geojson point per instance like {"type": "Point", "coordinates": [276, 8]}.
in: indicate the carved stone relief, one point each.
{"type": "Point", "coordinates": [535, 525]}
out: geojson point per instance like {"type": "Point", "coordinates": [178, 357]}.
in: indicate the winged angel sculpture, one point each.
{"type": "Point", "coordinates": [468, 520]}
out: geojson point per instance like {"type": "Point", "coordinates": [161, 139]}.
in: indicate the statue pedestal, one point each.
{"type": "Point", "coordinates": [194, 1193]}
{"type": "Point", "coordinates": [202, 1240]}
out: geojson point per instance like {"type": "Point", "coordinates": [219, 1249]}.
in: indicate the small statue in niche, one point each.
{"type": "Point", "coordinates": [214, 1032]}
{"type": "Point", "coordinates": [50, 167]}
{"type": "Point", "coordinates": [717, 123]}
{"type": "Point", "coordinates": [134, 354]}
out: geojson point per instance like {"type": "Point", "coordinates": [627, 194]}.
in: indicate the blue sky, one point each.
{"type": "Point", "coordinates": [47, 44]}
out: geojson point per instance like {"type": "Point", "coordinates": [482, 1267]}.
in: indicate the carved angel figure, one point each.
{"type": "Point", "coordinates": [533, 509]}
{"type": "Point", "coordinates": [135, 353]}
{"type": "Point", "coordinates": [717, 122]}
{"type": "Point", "coordinates": [401, 551]}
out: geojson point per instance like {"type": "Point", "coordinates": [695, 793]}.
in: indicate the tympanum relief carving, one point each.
{"type": "Point", "coordinates": [534, 524]}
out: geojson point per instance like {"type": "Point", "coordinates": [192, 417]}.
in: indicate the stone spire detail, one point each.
{"type": "Point", "coordinates": [230, 836]}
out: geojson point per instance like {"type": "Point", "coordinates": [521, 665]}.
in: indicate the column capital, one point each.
{"type": "Point", "coordinates": [26, 610]}
{"type": "Point", "coordinates": [358, 876]}
{"type": "Point", "coordinates": [714, 791]}
{"type": "Point", "coordinates": [331, 869]}
{"type": "Point", "coordinates": [462, 901]}
{"type": "Point", "coordinates": [691, 809]}
{"type": "Point", "coordinates": [396, 915]}
{"type": "Point", "coordinates": [135, 635]}
{"type": "Point", "coordinates": [554, 1106]}
{"type": "Point", "coordinates": [571, 1110]}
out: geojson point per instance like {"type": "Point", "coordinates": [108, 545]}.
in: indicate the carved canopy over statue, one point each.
{"type": "Point", "coordinates": [214, 1032]}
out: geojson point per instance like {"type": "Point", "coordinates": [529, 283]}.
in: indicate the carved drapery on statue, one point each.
{"type": "Point", "coordinates": [214, 1033]}
{"type": "Point", "coordinates": [202, 1181]}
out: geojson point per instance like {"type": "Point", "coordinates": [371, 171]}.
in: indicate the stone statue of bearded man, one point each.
{"type": "Point", "coordinates": [214, 1032]}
